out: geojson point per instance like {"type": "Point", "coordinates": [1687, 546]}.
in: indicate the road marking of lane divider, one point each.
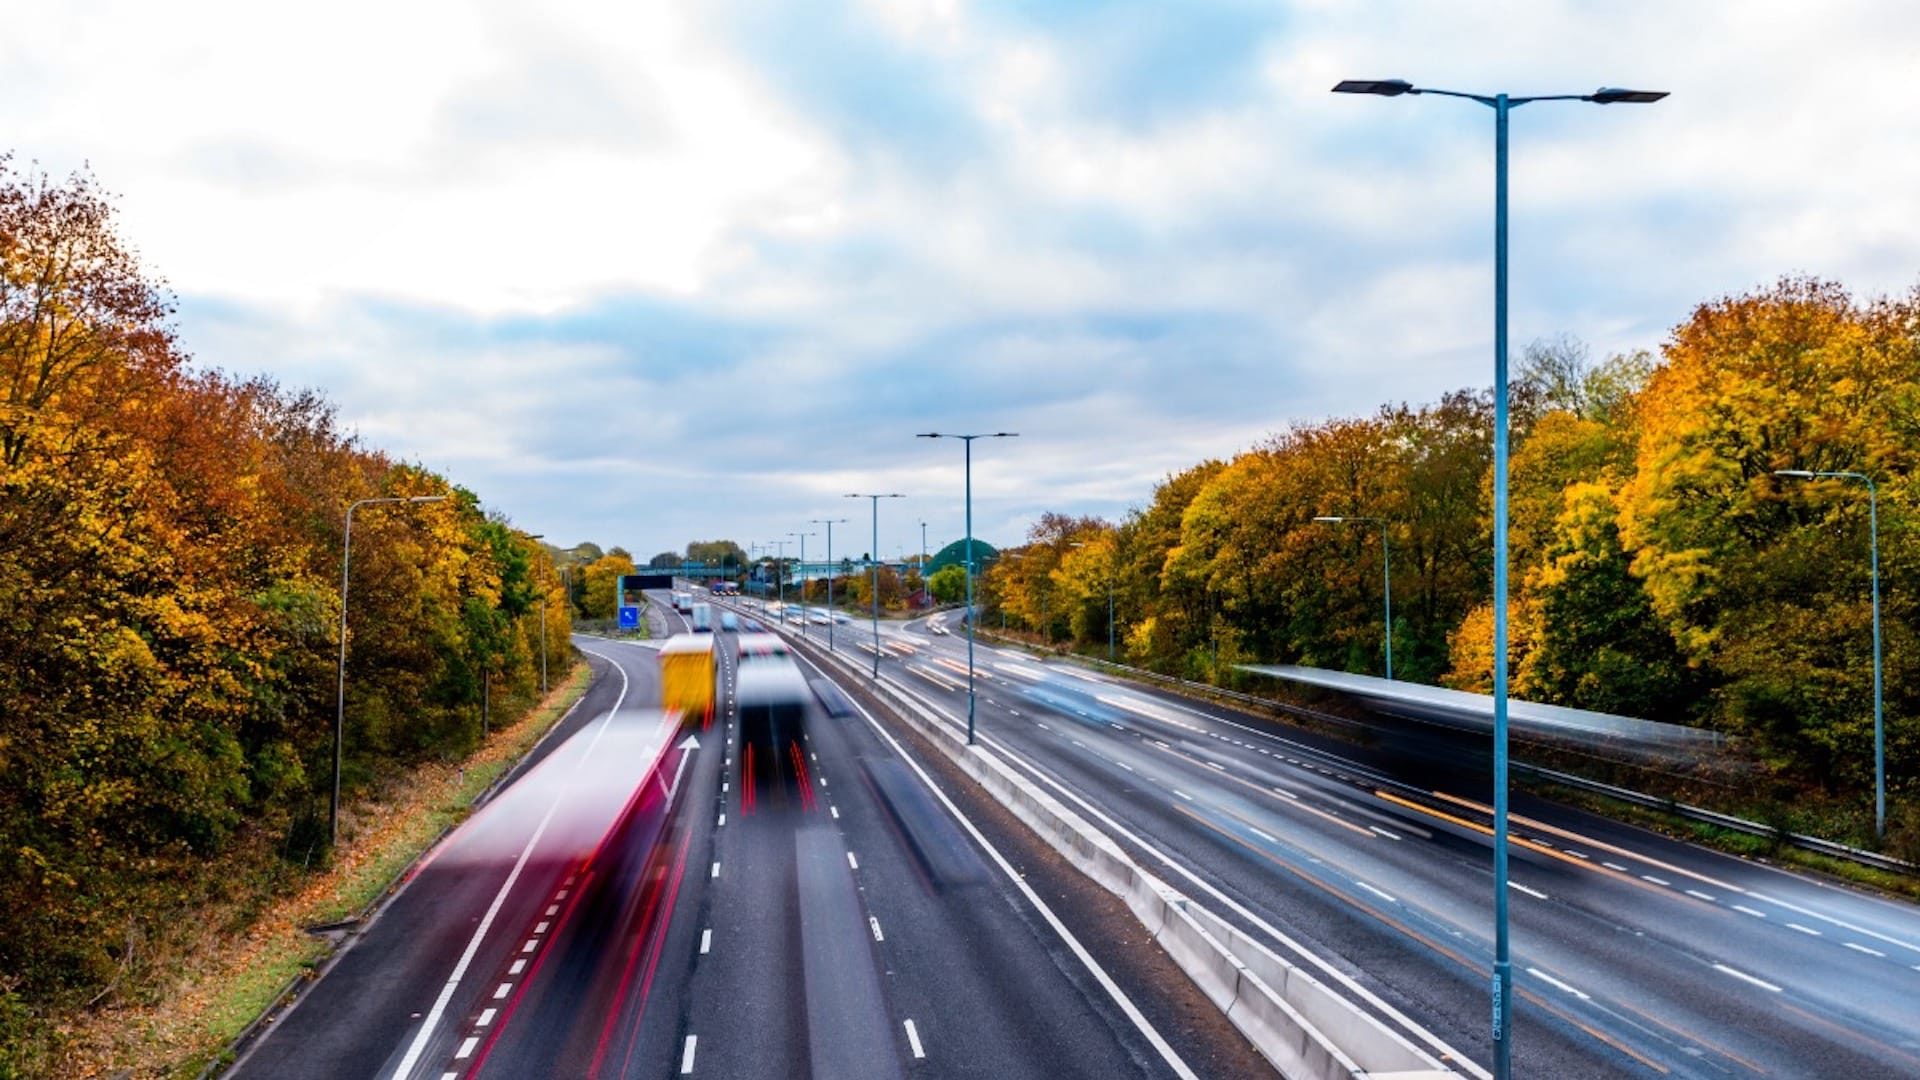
{"type": "Point", "coordinates": [913, 1040]}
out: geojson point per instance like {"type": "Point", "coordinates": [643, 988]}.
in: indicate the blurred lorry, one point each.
{"type": "Point", "coordinates": [702, 618]}
{"type": "Point", "coordinates": [687, 676]}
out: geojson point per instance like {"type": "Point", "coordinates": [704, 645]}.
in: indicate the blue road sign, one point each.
{"type": "Point", "coordinates": [629, 617]}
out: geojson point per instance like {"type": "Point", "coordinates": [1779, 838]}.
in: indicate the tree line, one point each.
{"type": "Point", "coordinates": [170, 574]}
{"type": "Point", "coordinates": [1660, 567]}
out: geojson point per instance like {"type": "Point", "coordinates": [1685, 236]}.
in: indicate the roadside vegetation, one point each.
{"type": "Point", "coordinates": [1660, 568]}
{"type": "Point", "coordinates": [170, 558]}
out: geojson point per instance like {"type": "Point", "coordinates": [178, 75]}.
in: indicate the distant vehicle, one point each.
{"type": "Point", "coordinates": [724, 588]}
{"type": "Point", "coordinates": [682, 601]}
{"type": "Point", "coordinates": [818, 617]}
{"type": "Point", "coordinates": [701, 615]}
{"type": "Point", "coordinates": [729, 621]}
{"type": "Point", "coordinates": [752, 626]}
{"type": "Point", "coordinates": [757, 647]}
{"type": "Point", "coordinates": [687, 676]}
{"type": "Point", "coordinates": [773, 698]}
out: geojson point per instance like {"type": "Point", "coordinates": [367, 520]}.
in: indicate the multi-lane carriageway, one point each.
{"type": "Point", "coordinates": [1635, 955]}
{"type": "Point", "coordinates": [846, 908]}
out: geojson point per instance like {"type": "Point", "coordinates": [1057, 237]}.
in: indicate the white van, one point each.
{"type": "Point", "coordinates": [702, 617]}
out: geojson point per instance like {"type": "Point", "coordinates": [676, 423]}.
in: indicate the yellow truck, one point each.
{"type": "Point", "coordinates": [687, 676]}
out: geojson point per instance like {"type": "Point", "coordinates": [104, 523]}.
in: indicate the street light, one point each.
{"type": "Point", "coordinates": [968, 441]}
{"type": "Point", "coordinates": [829, 523]}
{"type": "Point", "coordinates": [803, 581]}
{"type": "Point", "coordinates": [340, 697]}
{"type": "Point", "coordinates": [873, 564]}
{"type": "Point", "coordinates": [925, 586]}
{"type": "Point", "coordinates": [543, 626]}
{"type": "Point", "coordinates": [1873, 557]}
{"type": "Point", "coordinates": [1083, 543]}
{"type": "Point", "coordinates": [1501, 104]}
{"type": "Point", "coordinates": [1386, 574]}
{"type": "Point", "coordinates": [779, 576]}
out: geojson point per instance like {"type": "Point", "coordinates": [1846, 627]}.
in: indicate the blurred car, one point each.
{"type": "Point", "coordinates": [729, 621]}
{"type": "Point", "coordinates": [832, 698]}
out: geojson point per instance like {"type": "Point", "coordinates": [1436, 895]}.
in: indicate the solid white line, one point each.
{"type": "Point", "coordinates": [1698, 895]}
{"type": "Point", "coordinates": [686, 1056]}
{"type": "Point", "coordinates": [1556, 983]}
{"type": "Point", "coordinates": [485, 1018]}
{"type": "Point", "coordinates": [1807, 930]}
{"type": "Point", "coordinates": [1744, 977]}
{"type": "Point", "coordinates": [913, 1040]}
{"type": "Point", "coordinates": [1864, 949]}
{"type": "Point", "coordinates": [1381, 893]}
{"type": "Point", "coordinates": [419, 1045]}
{"type": "Point", "coordinates": [1745, 910]}
{"type": "Point", "coordinates": [706, 940]}
{"type": "Point", "coordinates": [1119, 996]}
{"type": "Point", "coordinates": [852, 862]}
{"type": "Point", "coordinates": [466, 1048]}
{"type": "Point", "coordinates": [875, 924]}
{"type": "Point", "coordinates": [1535, 893]}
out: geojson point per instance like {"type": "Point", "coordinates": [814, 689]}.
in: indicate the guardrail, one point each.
{"type": "Point", "coordinates": [1298, 1023]}
{"type": "Point", "coordinates": [1701, 814]}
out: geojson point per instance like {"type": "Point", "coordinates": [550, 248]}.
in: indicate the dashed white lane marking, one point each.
{"type": "Point", "coordinates": [875, 925]}
{"type": "Point", "coordinates": [1698, 895]}
{"type": "Point", "coordinates": [541, 928]}
{"type": "Point", "coordinates": [1576, 854]}
{"type": "Point", "coordinates": [1655, 880]}
{"type": "Point", "coordinates": [706, 940]}
{"type": "Point", "coordinates": [1557, 984]}
{"type": "Point", "coordinates": [561, 895]}
{"type": "Point", "coordinates": [1264, 836]}
{"type": "Point", "coordinates": [1746, 978]}
{"type": "Point", "coordinates": [1381, 893]}
{"type": "Point", "coordinates": [1124, 765]}
{"type": "Point", "coordinates": [913, 1040]}
{"type": "Point", "coordinates": [517, 967]}
{"type": "Point", "coordinates": [466, 1048]}
{"type": "Point", "coordinates": [716, 869]}
{"type": "Point", "coordinates": [1613, 866]}
{"type": "Point", "coordinates": [1535, 893]}
{"type": "Point", "coordinates": [1863, 949]}
{"type": "Point", "coordinates": [449, 1076]}
{"type": "Point", "coordinates": [502, 990]}
{"type": "Point", "coordinates": [1807, 930]}
{"type": "Point", "coordinates": [835, 811]}
{"type": "Point", "coordinates": [485, 1018]}
{"type": "Point", "coordinates": [1382, 832]}
{"type": "Point", "coordinates": [823, 781]}
{"type": "Point", "coordinates": [1183, 794]}
{"type": "Point", "coordinates": [1285, 794]}
{"type": "Point", "coordinates": [532, 944]}
{"type": "Point", "coordinates": [852, 862]}
{"type": "Point", "coordinates": [723, 821]}
{"type": "Point", "coordinates": [551, 909]}
{"type": "Point", "coordinates": [1745, 910]}
{"type": "Point", "coordinates": [686, 1056]}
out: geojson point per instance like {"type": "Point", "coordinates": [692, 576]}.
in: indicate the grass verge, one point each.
{"type": "Point", "coordinates": [233, 975]}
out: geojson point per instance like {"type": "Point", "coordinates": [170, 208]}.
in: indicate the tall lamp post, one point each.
{"type": "Point", "coordinates": [1873, 562]}
{"type": "Point", "coordinates": [967, 440]}
{"type": "Point", "coordinates": [925, 587]}
{"type": "Point", "coordinates": [829, 523]}
{"type": "Point", "coordinates": [1386, 574]}
{"type": "Point", "coordinates": [543, 626]}
{"type": "Point", "coordinates": [1083, 543]}
{"type": "Point", "coordinates": [340, 696]}
{"type": "Point", "coordinates": [803, 580]}
{"type": "Point", "coordinates": [779, 574]}
{"type": "Point", "coordinates": [1501, 104]}
{"type": "Point", "coordinates": [873, 563]}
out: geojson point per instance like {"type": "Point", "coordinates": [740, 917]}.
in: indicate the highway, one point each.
{"type": "Point", "coordinates": [838, 907]}
{"type": "Point", "coordinates": [1636, 955]}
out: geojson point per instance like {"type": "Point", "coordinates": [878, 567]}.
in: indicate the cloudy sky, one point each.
{"type": "Point", "coordinates": [647, 272]}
